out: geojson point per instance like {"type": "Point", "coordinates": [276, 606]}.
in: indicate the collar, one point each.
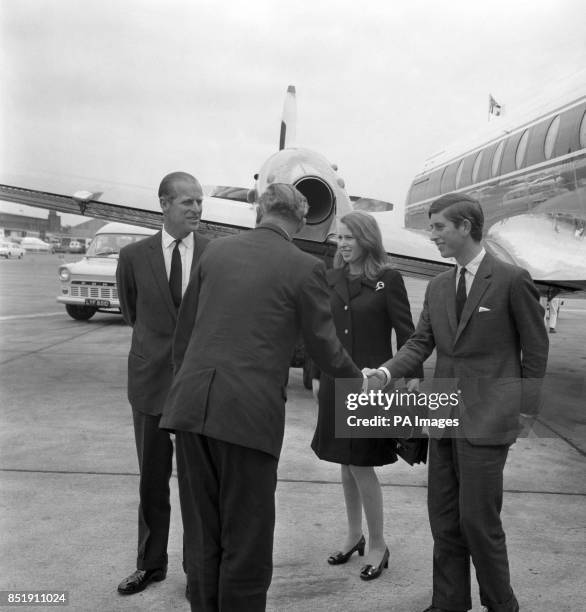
{"type": "Point", "coordinates": [472, 266]}
{"type": "Point", "coordinates": [168, 240]}
{"type": "Point", "coordinates": [275, 228]}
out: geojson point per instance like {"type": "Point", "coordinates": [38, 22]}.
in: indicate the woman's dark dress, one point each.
{"type": "Point", "coordinates": [365, 311]}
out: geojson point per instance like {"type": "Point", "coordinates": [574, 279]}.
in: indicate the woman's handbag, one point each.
{"type": "Point", "coordinates": [412, 450]}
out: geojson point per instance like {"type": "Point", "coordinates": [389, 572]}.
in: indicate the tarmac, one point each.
{"type": "Point", "coordinates": [69, 478]}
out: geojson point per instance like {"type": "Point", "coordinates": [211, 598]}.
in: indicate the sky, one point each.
{"type": "Point", "coordinates": [128, 90]}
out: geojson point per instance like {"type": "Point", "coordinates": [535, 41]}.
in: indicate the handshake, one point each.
{"type": "Point", "coordinates": [376, 379]}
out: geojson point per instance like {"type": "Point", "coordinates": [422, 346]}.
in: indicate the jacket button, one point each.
{"type": "Point", "coordinates": [345, 331]}
{"type": "Point", "coordinates": [345, 307]}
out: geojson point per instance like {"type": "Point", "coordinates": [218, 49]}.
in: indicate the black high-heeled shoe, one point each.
{"type": "Point", "coordinates": [369, 572]}
{"type": "Point", "coordinates": [338, 558]}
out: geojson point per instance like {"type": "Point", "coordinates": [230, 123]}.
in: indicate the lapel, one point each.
{"type": "Point", "coordinates": [450, 292]}
{"type": "Point", "coordinates": [337, 281]}
{"type": "Point", "coordinates": [157, 263]}
{"type": "Point", "coordinates": [480, 284]}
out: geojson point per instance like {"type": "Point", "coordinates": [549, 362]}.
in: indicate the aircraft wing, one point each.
{"type": "Point", "coordinates": [411, 251]}
{"type": "Point", "coordinates": [132, 204]}
{"type": "Point", "coordinates": [370, 204]}
{"type": "Point", "coordinates": [225, 211]}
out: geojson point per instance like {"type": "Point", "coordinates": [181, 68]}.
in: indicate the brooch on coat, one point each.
{"type": "Point", "coordinates": [380, 285]}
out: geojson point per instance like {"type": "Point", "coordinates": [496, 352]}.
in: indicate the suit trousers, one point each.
{"type": "Point", "coordinates": [227, 495]}
{"type": "Point", "coordinates": [465, 495]}
{"type": "Point", "coordinates": [155, 460]}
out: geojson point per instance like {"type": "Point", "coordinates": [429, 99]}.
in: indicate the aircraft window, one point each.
{"type": "Point", "coordinates": [459, 174]}
{"type": "Point", "coordinates": [417, 191]}
{"type": "Point", "coordinates": [476, 166]}
{"type": "Point", "coordinates": [521, 149]}
{"type": "Point", "coordinates": [448, 179]}
{"type": "Point", "coordinates": [583, 132]}
{"type": "Point", "coordinates": [496, 159]}
{"type": "Point", "coordinates": [551, 137]}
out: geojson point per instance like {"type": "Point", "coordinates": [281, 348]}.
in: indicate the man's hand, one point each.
{"type": "Point", "coordinates": [376, 380]}
{"type": "Point", "coordinates": [379, 373]}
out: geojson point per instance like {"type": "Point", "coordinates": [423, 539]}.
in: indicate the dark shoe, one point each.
{"type": "Point", "coordinates": [139, 581]}
{"type": "Point", "coordinates": [340, 557]}
{"type": "Point", "coordinates": [369, 572]}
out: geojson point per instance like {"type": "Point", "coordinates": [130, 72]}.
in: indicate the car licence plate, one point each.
{"type": "Point", "coordinates": [98, 303]}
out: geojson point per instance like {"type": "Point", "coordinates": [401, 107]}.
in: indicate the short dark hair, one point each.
{"type": "Point", "coordinates": [167, 186]}
{"type": "Point", "coordinates": [458, 207]}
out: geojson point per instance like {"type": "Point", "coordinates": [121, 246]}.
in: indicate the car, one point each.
{"type": "Point", "coordinates": [60, 247]}
{"type": "Point", "coordinates": [75, 246]}
{"type": "Point", "coordinates": [35, 245]}
{"type": "Point", "coordinates": [11, 249]}
{"type": "Point", "coordinates": [89, 285]}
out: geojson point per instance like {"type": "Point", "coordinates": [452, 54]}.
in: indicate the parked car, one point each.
{"type": "Point", "coordinates": [11, 249]}
{"type": "Point", "coordinates": [35, 245]}
{"type": "Point", "coordinates": [89, 285]}
{"type": "Point", "coordinates": [75, 246]}
{"type": "Point", "coordinates": [61, 246]}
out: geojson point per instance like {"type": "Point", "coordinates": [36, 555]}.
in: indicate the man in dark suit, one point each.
{"type": "Point", "coordinates": [486, 324]}
{"type": "Point", "coordinates": [152, 275]}
{"type": "Point", "coordinates": [241, 316]}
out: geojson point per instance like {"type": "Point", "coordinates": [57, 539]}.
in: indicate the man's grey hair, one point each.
{"type": "Point", "coordinates": [283, 200]}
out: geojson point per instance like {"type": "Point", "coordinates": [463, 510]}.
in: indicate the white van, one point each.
{"type": "Point", "coordinates": [89, 285]}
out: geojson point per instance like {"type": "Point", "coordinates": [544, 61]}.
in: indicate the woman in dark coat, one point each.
{"type": "Point", "coordinates": [368, 300]}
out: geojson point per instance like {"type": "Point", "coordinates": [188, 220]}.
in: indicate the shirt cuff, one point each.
{"type": "Point", "coordinates": [387, 374]}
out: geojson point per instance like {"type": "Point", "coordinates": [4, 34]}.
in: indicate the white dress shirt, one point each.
{"type": "Point", "coordinates": [186, 247]}
{"type": "Point", "coordinates": [471, 270]}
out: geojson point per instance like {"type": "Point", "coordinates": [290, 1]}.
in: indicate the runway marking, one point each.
{"type": "Point", "coordinates": [562, 437]}
{"type": "Point", "coordinates": [37, 315]}
{"type": "Point", "coordinates": [93, 328]}
{"type": "Point", "coordinates": [283, 480]}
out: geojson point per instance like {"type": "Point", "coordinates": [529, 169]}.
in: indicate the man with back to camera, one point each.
{"type": "Point", "coordinates": [240, 318]}
{"type": "Point", "coordinates": [152, 275]}
{"type": "Point", "coordinates": [486, 324]}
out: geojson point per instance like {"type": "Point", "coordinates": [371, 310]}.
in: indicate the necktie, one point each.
{"type": "Point", "coordinates": [176, 275]}
{"type": "Point", "coordinates": [461, 294]}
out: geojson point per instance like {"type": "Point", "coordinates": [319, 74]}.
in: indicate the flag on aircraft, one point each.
{"type": "Point", "coordinates": [494, 108]}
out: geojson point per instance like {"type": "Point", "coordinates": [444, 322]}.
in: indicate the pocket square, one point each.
{"type": "Point", "coordinates": [483, 309]}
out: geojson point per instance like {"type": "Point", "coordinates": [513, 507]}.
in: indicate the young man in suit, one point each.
{"type": "Point", "coordinates": [152, 275]}
{"type": "Point", "coordinates": [240, 318]}
{"type": "Point", "coordinates": [486, 324]}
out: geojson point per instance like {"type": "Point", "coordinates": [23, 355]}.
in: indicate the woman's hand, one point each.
{"type": "Point", "coordinates": [413, 385]}
{"type": "Point", "coordinates": [315, 387]}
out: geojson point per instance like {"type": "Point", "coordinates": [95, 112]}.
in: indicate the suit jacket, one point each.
{"type": "Point", "coordinates": [240, 318]}
{"type": "Point", "coordinates": [497, 354]}
{"type": "Point", "coordinates": [146, 304]}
